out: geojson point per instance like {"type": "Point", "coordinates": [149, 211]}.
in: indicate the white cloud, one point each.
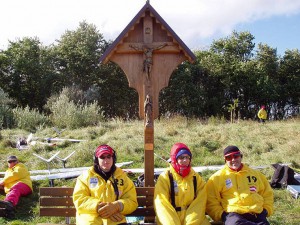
{"type": "Point", "coordinates": [193, 20]}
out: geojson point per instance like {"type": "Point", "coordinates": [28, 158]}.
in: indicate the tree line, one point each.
{"type": "Point", "coordinates": [232, 69]}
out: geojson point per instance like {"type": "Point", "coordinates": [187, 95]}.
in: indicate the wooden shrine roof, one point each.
{"type": "Point", "coordinates": [147, 7]}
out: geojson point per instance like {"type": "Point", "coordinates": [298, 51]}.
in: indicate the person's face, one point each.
{"type": "Point", "coordinates": [12, 163]}
{"type": "Point", "coordinates": [234, 161]}
{"type": "Point", "coordinates": [105, 162]}
{"type": "Point", "coordinates": [184, 160]}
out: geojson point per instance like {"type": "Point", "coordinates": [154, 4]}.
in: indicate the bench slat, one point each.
{"type": "Point", "coordinates": [145, 191]}
{"type": "Point", "coordinates": [145, 201]}
{"type": "Point", "coordinates": [53, 201]}
{"type": "Point", "coordinates": [61, 191]}
{"type": "Point", "coordinates": [58, 212]}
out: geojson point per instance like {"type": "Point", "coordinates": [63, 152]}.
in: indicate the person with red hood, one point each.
{"type": "Point", "coordinates": [238, 194]}
{"type": "Point", "coordinates": [180, 194]}
{"type": "Point", "coordinates": [262, 114]}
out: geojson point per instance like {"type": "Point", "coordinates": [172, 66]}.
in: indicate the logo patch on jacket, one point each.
{"type": "Point", "coordinates": [93, 182]}
{"type": "Point", "coordinates": [228, 183]}
{"type": "Point", "coordinates": [252, 189]}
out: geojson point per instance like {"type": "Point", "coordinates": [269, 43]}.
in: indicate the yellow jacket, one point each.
{"type": "Point", "coordinates": [262, 114]}
{"type": "Point", "coordinates": [90, 189]}
{"type": "Point", "coordinates": [194, 209]}
{"type": "Point", "coordinates": [16, 174]}
{"type": "Point", "coordinates": [245, 191]}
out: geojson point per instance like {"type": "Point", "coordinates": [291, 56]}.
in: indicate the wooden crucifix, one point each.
{"type": "Point", "coordinates": [148, 51]}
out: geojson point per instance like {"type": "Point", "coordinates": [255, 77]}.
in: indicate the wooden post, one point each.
{"type": "Point", "coordinates": [148, 143]}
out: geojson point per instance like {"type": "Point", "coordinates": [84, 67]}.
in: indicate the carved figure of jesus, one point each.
{"type": "Point", "coordinates": [148, 61]}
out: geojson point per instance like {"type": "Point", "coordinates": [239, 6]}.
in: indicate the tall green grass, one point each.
{"type": "Point", "coordinates": [262, 145]}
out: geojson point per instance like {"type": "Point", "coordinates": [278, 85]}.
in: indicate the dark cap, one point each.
{"type": "Point", "coordinates": [231, 149]}
{"type": "Point", "coordinates": [12, 158]}
{"type": "Point", "coordinates": [183, 151]}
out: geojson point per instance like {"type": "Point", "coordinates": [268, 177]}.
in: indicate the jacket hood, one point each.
{"type": "Point", "coordinates": [174, 151]}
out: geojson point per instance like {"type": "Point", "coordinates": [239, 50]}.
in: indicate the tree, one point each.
{"type": "Point", "coordinates": [25, 74]}
{"type": "Point", "coordinates": [232, 108]}
{"type": "Point", "coordinates": [230, 61]}
{"type": "Point", "coordinates": [77, 56]}
{"type": "Point", "coordinates": [6, 106]}
{"type": "Point", "coordinates": [289, 82]}
{"type": "Point", "coordinates": [267, 90]}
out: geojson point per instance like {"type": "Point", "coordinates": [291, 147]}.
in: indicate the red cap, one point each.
{"type": "Point", "coordinates": [103, 149]}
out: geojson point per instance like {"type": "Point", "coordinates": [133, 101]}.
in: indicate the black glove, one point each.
{"type": "Point", "coordinates": [264, 213]}
{"type": "Point", "coordinates": [224, 215]}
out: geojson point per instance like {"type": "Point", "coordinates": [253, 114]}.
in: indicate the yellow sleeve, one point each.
{"type": "Point", "coordinates": [259, 114]}
{"type": "Point", "coordinates": [83, 201]}
{"type": "Point", "coordinates": [213, 206]}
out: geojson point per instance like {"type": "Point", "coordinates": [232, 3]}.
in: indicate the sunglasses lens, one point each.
{"type": "Point", "coordinates": [230, 157]}
{"type": "Point", "coordinates": [236, 156]}
{"type": "Point", "coordinates": [105, 157]}
{"type": "Point", "coordinates": [182, 157]}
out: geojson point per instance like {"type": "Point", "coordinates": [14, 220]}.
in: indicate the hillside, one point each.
{"type": "Point", "coordinates": [262, 144]}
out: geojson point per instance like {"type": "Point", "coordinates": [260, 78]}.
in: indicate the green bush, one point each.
{"type": "Point", "coordinates": [6, 115]}
{"type": "Point", "coordinates": [67, 114]}
{"type": "Point", "coordinates": [29, 119]}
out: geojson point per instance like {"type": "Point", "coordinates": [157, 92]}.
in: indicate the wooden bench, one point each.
{"type": "Point", "coordinates": [58, 202]}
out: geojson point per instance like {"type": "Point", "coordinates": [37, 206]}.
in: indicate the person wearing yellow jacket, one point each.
{"type": "Point", "coordinates": [180, 194]}
{"type": "Point", "coordinates": [262, 114]}
{"type": "Point", "coordinates": [104, 194]}
{"type": "Point", "coordinates": [16, 183]}
{"type": "Point", "coordinates": [238, 194]}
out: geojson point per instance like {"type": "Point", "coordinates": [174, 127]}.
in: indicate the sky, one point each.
{"type": "Point", "coordinates": [197, 22]}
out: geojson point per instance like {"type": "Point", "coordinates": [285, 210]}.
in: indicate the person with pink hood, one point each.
{"type": "Point", "coordinates": [180, 194]}
{"type": "Point", "coordinates": [262, 114]}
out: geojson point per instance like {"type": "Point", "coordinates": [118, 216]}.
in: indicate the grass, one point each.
{"type": "Point", "coordinates": [262, 144]}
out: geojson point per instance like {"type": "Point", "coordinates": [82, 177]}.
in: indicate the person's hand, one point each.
{"type": "Point", "coordinates": [117, 217]}
{"type": "Point", "coordinates": [223, 216]}
{"type": "Point", "coordinates": [100, 205]}
{"type": "Point", "coordinates": [263, 214]}
{"type": "Point", "coordinates": [109, 209]}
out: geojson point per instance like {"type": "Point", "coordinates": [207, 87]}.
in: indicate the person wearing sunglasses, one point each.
{"type": "Point", "coordinates": [180, 194]}
{"type": "Point", "coordinates": [104, 194]}
{"type": "Point", "coordinates": [16, 183]}
{"type": "Point", "coordinates": [237, 194]}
